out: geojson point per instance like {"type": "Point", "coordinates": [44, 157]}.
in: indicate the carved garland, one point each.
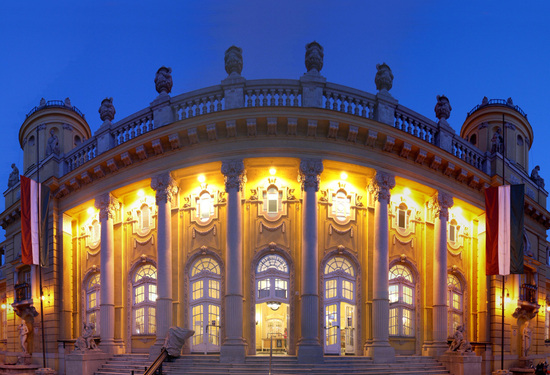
{"type": "Point", "coordinates": [281, 226]}
{"type": "Point", "coordinates": [194, 231]}
{"type": "Point", "coordinates": [331, 228]}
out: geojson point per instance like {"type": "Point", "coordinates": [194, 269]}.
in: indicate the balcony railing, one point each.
{"type": "Point", "coordinates": [56, 103]}
{"type": "Point", "coordinates": [528, 293]}
{"type": "Point", "coordinates": [22, 292]}
{"type": "Point", "coordinates": [493, 102]}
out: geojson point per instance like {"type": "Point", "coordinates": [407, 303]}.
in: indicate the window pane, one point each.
{"type": "Point", "coordinates": [407, 295]}
{"type": "Point", "coordinates": [457, 302]}
{"type": "Point", "coordinates": [152, 293]}
{"type": "Point", "coordinates": [452, 231]}
{"type": "Point", "coordinates": [280, 288]}
{"type": "Point", "coordinates": [338, 263]}
{"type": "Point", "coordinates": [152, 321]}
{"type": "Point", "coordinates": [401, 219]}
{"type": "Point", "coordinates": [272, 200]}
{"type": "Point", "coordinates": [206, 208]}
{"type": "Point", "coordinates": [263, 288]}
{"type": "Point", "coordinates": [205, 264]}
{"type": "Point", "coordinates": [394, 328]}
{"type": "Point", "coordinates": [400, 270]}
{"type": "Point", "coordinates": [214, 289]}
{"type": "Point", "coordinates": [92, 301]}
{"type": "Point", "coordinates": [197, 290]}
{"type": "Point", "coordinates": [214, 324]}
{"type": "Point", "coordinates": [146, 271]}
{"type": "Point", "coordinates": [330, 289]}
{"type": "Point", "coordinates": [394, 293]}
{"type": "Point", "coordinates": [197, 324]}
{"type": "Point", "coordinates": [407, 322]}
{"type": "Point", "coordinates": [139, 294]}
{"type": "Point", "coordinates": [347, 290]}
{"type": "Point", "coordinates": [272, 261]}
{"type": "Point", "coordinates": [139, 321]}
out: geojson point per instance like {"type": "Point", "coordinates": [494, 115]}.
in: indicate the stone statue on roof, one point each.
{"type": "Point", "coordinates": [384, 77]}
{"type": "Point", "coordinates": [442, 107]}
{"type": "Point", "coordinates": [163, 80]}
{"type": "Point", "coordinates": [14, 176]}
{"type": "Point", "coordinates": [314, 57]}
{"type": "Point", "coordinates": [107, 110]}
{"type": "Point", "coordinates": [233, 60]}
{"type": "Point", "coordinates": [537, 179]}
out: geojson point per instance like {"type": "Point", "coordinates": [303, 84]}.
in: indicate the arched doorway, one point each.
{"type": "Point", "coordinates": [205, 280]}
{"type": "Point", "coordinates": [339, 306]}
{"type": "Point", "coordinates": [272, 304]}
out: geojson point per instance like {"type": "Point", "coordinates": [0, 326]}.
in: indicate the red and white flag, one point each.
{"type": "Point", "coordinates": [34, 219]}
{"type": "Point", "coordinates": [504, 237]}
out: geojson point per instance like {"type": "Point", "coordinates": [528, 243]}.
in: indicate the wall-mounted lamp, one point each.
{"type": "Point", "coordinates": [274, 305]}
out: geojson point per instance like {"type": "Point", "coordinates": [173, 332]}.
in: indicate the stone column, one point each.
{"type": "Point", "coordinates": [380, 349]}
{"type": "Point", "coordinates": [166, 193]}
{"type": "Point", "coordinates": [309, 346]}
{"type": "Point", "coordinates": [234, 347]}
{"type": "Point", "coordinates": [440, 206]}
{"type": "Point", "coordinates": [107, 205]}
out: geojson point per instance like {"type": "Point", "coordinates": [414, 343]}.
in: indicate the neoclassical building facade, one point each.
{"type": "Point", "coordinates": [317, 218]}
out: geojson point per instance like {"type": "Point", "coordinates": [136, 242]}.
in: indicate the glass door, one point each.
{"type": "Point", "coordinates": [332, 328]}
{"type": "Point", "coordinates": [206, 323]}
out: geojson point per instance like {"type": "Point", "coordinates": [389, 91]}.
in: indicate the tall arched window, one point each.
{"type": "Point", "coordinates": [145, 297]}
{"type": "Point", "coordinates": [205, 281]}
{"type": "Point", "coordinates": [92, 301]}
{"type": "Point", "coordinates": [339, 298]}
{"type": "Point", "coordinates": [272, 279]}
{"type": "Point", "coordinates": [144, 218]}
{"type": "Point", "coordinates": [401, 301]}
{"type": "Point", "coordinates": [455, 302]}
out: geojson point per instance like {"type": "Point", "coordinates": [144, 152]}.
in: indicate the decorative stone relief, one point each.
{"type": "Point", "coordinates": [163, 80]}
{"type": "Point", "coordinates": [143, 216]}
{"type": "Point", "coordinates": [165, 187]}
{"type": "Point", "coordinates": [310, 171]}
{"type": "Point", "coordinates": [442, 202]}
{"type": "Point", "coordinates": [203, 206]}
{"type": "Point", "coordinates": [403, 217]}
{"type": "Point", "coordinates": [264, 197]}
{"type": "Point", "coordinates": [233, 60]}
{"type": "Point", "coordinates": [234, 173]}
{"type": "Point", "coordinates": [107, 206]}
{"type": "Point", "coordinates": [314, 57]}
{"type": "Point", "coordinates": [384, 77]}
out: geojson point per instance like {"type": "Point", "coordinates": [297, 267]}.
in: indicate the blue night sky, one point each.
{"type": "Point", "coordinates": [89, 50]}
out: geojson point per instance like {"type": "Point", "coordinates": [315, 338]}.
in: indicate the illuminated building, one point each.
{"type": "Point", "coordinates": [333, 220]}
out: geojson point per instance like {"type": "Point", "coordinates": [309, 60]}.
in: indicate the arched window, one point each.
{"type": "Point", "coordinates": [402, 216]}
{"type": "Point", "coordinates": [272, 279]}
{"type": "Point", "coordinates": [401, 292]}
{"type": "Point", "coordinates": [92, 300]}
{"type": "Point", "coordinates": [339, 306]}
{"type": "Point", "coordinates": [205, 281]}
{"type": "Point", "coordinates": [473, 139]}
{"type": "Point", "coordinates": [95, 233]}
{"type": "Point", "coordinates": [453, 231]}
{"type": "Point", "coordinates": [145, 297]}
{"type": "Point", "coordinates": [455, 302]}
{"type": "Point", "coordinates": [205, 207]}
{"type": "Point", "coordinates": [341, 205]}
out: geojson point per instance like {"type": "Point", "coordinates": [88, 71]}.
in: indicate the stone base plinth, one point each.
{"type": "Point", "coordinates": [521, 371]}
{"type": "Point", "coordinates": [380, 353]}
{"type": "Point", "coordinates": [461, 363]}
{"type": "Point", "coordinates": [85, 363]}
{"type": "Point", "coordinates": [233, 353]}
{"type": "Point", "coordinates": [18, 369]}
{"type": "Point", "coordinates": [434, 349]}
{"type": "Point", "coordinates": [310, 353]}
{"type": "Point", "coordinates": [46, 371]}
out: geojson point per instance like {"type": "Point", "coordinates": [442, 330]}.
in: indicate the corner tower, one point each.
{"type": "Point", "coordinates": [50, 130]}
{"type": "Point", "coordinates": [483, 128]}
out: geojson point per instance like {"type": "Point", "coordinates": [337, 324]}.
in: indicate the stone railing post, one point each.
{"type": "Point", "coordinates": [233, 85]}
{"type": "Point", "coordinates": [309, 347]}
{"type": "Point", "coordinates": [313, 82]}
{"type": "Point", "coordinates": [384, 108]}
{"type": "Point", "coordinates": [234, 347]}
{"type": "Point", "coordinates": [380, 349]}
{"type": "Point", "coordinates": [107, 205]}
{"type": "Point", "coordinates": [166, 193]}
{"type": "Point", "coordinates": [162, 112]}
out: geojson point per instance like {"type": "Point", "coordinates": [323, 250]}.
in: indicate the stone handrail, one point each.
{"type": "Point", "coordinates": [264, 93]}
{"type": "Point", "coordinates": [498, 102]}
{"type": "Point", "coordinates": [55, 103]}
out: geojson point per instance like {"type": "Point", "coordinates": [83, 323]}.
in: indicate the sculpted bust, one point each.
{"type": "Point", "coordinates": [442, 107]}
{"type": "Point", "coordinates": [314, 57]}
{"type": "Point", "coordinates": [384, 77]}
{"type": "Point", "coordinates": [233, 60]}
{"type": "Point", "coordinates": [163, 80]}
{"type": "Point", "coordinates": [14, 176]}
{"type": "Point", "coordinates": [107, 110]}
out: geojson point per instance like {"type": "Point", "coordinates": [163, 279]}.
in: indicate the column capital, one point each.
{"type": "Point", "coordinates": [441, 203]}
{"type": "Point", "coordinates": [107, 205]}
{"type": "Point", "coordinates": [165, 187]}
{"type": "Point", "coordinates": [235, 174]}
{"type": "Point", "coordinates": [310, 171]}
{"type": "Point", "coordinates": [380, 186]}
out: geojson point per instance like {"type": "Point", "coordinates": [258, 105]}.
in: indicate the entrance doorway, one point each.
{"type": "Point", "coordinates": [272, 305]}
{"type": "Point", "coordinates": [339, 307]}
{"type": "Point", "coordinates": [205, 306]}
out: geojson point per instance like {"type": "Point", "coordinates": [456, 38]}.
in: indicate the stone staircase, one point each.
{"type": "Point", "coordinates": [282, 365]}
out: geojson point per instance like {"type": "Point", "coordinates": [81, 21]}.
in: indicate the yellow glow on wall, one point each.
{"type": "Point", "coordinates": [272, 171]}
{"type": "Point", "coordinates": [201, 178]}
{"type": "Point", "coordinates": [90, 211]}
{"type": "Point", "coordinates": [343, 176]}
{"type": "Point", "coordinates": [141, 193]}
{"type": "Point", "coordinates": [407, 191]}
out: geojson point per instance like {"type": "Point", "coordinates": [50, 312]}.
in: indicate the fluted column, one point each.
{"type": "Point", "coordinates": [166, 193]}
{"type": "Point", "coordinates": [107, 205]}
{"type": "Point", "coordinates": [309, 346]}
{"type": "Point", "coordinates": [233, 347]}
{"type": "Point", "coordinates": [380, 348]}
{"type": "Point", "coordinates": [442, 203]}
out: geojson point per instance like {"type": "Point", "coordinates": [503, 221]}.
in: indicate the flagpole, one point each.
{"type": "Point", "coordinates": [503, 277]}
{"type": "Point", "coordinates": [39, 195]}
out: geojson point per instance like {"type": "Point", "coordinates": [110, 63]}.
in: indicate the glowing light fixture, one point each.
{"type": "Point", "coordinates": [90, 210]}
{"type": "Point", "coordinates": [272, 171]}
{"type": "Point", "coordinates": [141, 193]}
{"type": "Point", "coordinates": [407, 191]}
{"type": "Point", "coordinates": [274, 305]}
{"type": "Point", "coordinates": [343, 176]}
{"type": "Point", "coordinates": [3, 306]}
{"type": "Point", "coordinates": [457, 210]}
{"type": "Point", "coordinates": [201, 178]}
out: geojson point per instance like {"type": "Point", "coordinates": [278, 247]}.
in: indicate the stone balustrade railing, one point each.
{"type": "Point", "coordinates": [271, 93]}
